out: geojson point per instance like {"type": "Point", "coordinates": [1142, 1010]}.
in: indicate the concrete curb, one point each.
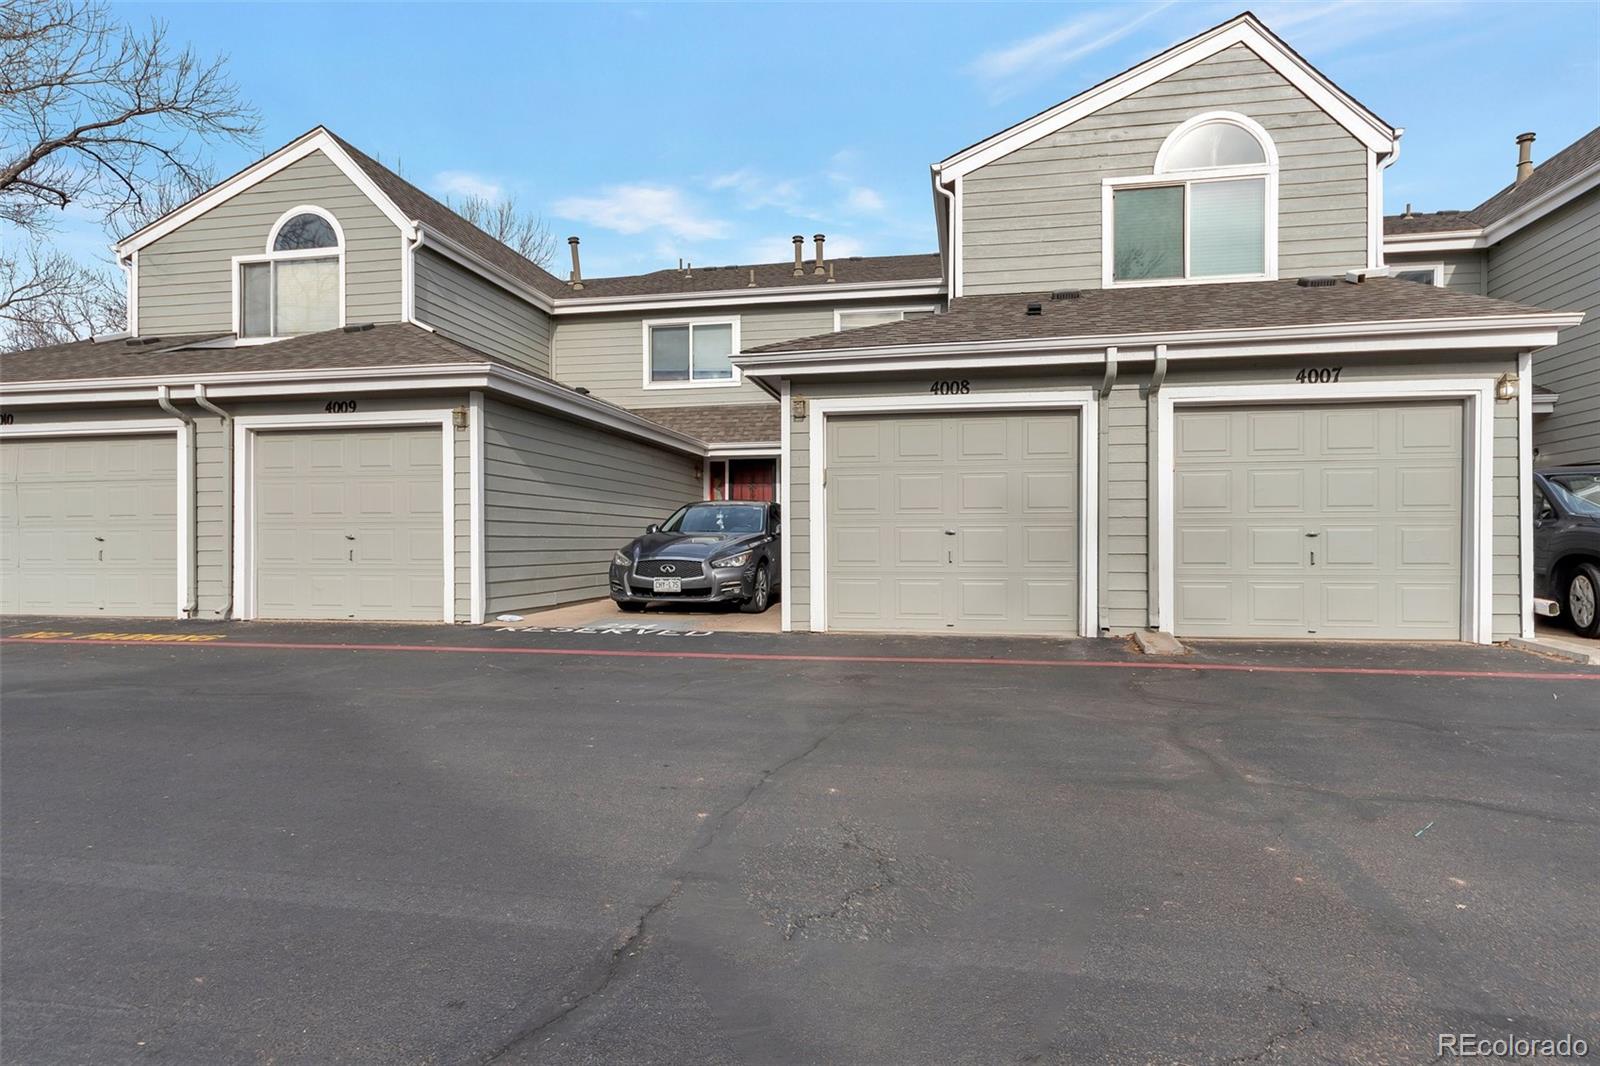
{"type": "Point", "coordinates": [1151, 642]}
{"type": "Point", "coordinates": [1551, 650]}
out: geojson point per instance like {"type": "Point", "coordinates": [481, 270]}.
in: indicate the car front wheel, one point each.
{"type": "Point", "coordinates": [1583, 599]}
{"type": "Point", "coordinates": [760, 593]}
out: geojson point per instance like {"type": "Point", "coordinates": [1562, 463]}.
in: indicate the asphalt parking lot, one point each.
{"type": "Point", "coordinates": [407, 844]}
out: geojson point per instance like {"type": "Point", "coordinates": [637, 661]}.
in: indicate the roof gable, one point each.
{"type": "Point", "coordinates": [1376, 134]}
{"type": "Point", "coordinates": [317, 140]}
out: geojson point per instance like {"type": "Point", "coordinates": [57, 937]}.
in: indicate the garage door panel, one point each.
{"type": "Point", "coordinates": [348, 525]}
{"type": "Point", "coordinates": [919, 493]}
{"type": "Point", "coordinates": [1346, 504]}
{"type": "Point", "coordinates": [989, 478]}
{"type": "Point", "coordinates": [983, 493]}
{"type": "Point", "coordinates": [1049, 491]}
{"type": "Point", "coordinates": [1277, 490]}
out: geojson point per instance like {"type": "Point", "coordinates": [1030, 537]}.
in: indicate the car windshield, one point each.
{"type": "Point", "coordinates": [716, 518]}
{"type": "Point", "coordinates": [1579, 492]}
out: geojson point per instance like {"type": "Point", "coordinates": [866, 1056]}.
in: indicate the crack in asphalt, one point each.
{"type": "Point", "coordinates": [885, 880]}
{"type": "Point", "coordinates": [637, 938]}
{"type": "Point", "coordinates": [1308, 1019]}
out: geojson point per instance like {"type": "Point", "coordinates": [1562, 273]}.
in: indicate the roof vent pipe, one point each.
{"type": "Point", "coordinates": [799, 253]}
{"type": "Point", "coordinates": [1407, 212]}
{"type": "Point", "coordinates": [577, 271]}
{"type": "Point", "coordinates": [819, 238]}
{"type": "Point", "coordinates": [1524, 157]}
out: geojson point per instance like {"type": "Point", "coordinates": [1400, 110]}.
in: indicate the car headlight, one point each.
{"type": "Point", "coordinates": [620, 559]}
{"type": "Point", "coordinates": [732, 560]}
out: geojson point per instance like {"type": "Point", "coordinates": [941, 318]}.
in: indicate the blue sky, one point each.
{"type": "Point", "coordinates": [714, 132]}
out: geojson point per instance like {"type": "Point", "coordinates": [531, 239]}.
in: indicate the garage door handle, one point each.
{"type": "Point", "coordinates": [949, 532]}
{"type": "Point", "coordinates": [1313, 534]}
{"type": "Point", "coordinates": [99, 540]}
{"type": "Point", "coordinates": [349, 536]}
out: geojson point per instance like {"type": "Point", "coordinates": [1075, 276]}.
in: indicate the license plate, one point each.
{"type": "Point", "coordinates": [669, 584]}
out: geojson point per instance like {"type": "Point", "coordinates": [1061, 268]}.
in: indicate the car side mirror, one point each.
{"type": "Point", "coordinates": [652, 528]}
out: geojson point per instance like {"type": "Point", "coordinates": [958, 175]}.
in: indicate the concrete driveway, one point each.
{"type": "Point", "coordinates": [400, 844]}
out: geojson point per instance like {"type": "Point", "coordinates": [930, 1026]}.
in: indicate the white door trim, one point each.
{"type": "Point", "coordinates": [475, 426]}
{"type": "Point", "coordinates": [785, 516]}
{"type": "Point", "coordinates": [1525, 489]}
{"type": "Point", "coordinates": [1083, 401]}
{"type": "Point", "coordinates": [136, 427]}
{"type": "Point", "coordinates": [1477, 577]}
{"type": "Point", "coordinates": [245, 429]}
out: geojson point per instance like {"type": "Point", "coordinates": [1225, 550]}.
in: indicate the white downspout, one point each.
{"type": "Point", "coordinates": [1378, 258]}
{"type": "Point", "coordinates": [227, 466]}
{"type": "Point", "coordinates": [950, 240]}
{"type": "Point", "coordinates": [164, 399]}
{"type": "Point", "coordinates": [417, 243]}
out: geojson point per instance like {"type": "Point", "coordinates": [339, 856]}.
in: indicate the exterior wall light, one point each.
{"type": "Point", "coordinates": [1506, 387]}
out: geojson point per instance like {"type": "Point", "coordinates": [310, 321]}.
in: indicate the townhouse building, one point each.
{"type": "Point", "coordinates": [1157, 375]}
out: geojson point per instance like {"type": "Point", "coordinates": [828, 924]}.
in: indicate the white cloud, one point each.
{"type": "Point", "coordinates": [1006, 70]}
{"type": "Point", "coordinates": [639, 208]}
{"type": "Point", "coordinates": [1334, 24]}
{"type": "Point", "coordinates": [466, 183]}
{"type": "Point", "coordinates": [753, 191]}
{"type": "Point", "coordinates": [865, 200]}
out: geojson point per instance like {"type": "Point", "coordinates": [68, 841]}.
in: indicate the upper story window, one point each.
{"type": "Point", "coordinates": [685, 353]}
{"type": "Point", "coordinates": [1208, 213]}
{"type": "Point", "coordinates": [1425, 275]}
{"type": "Point", "coordinates": [877, 316]}
{"type": "Point", "coordinates": [297, 286]}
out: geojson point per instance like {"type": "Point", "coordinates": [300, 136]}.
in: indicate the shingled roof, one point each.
{"type": "Point", "coordinates": [1577, 157]}
{"type": "Point", "coordinates": [1164, 309]}
{"type": "Point", "coordinates": [723, 423]}
{"type": "Point", "coordinates": [393, 344]}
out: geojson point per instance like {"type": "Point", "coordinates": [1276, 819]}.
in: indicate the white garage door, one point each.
{"type": "Point", "coordinates": [348, 524]}
{"type": "Point", "coordinates": [88, 526]}
{"type": "Point", "coordinates": [1327, 521]}
{"type": "Point", "coordinates": [949, 523]}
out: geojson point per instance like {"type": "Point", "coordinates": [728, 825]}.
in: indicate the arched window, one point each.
{"type": "Point", "coordinates": [297, 286]}
{"type": "Point", "coordinates": [1207, 213]}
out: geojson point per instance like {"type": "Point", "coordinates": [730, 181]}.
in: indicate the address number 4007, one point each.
{"type": "Point", "coordinates": [1318, 375]}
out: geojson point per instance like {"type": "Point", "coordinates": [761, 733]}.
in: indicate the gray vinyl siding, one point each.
{"type": "Point", "coordinates": [466, 308]}
{"type": "Point", "coordinates": [560, 497]}
{"type": "Point", "coordinates": [605, 353]}
{"type": "Point", "coordinates": [1463, 271]}
{"type": "Point", "coordinates": [1555, 263]}
{"type": "Point", "coordinates": [1128, 577]}
{"type": "Point", "coordinates": [1031, 220]}
{"type": "Point", "coordinates": [186, 277]}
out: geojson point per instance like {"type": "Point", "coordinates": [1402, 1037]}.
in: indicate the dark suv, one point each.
{"type": "Point", "coordinates": [1566, 543]}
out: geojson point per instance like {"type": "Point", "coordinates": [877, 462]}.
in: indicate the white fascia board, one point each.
{"type": "Point", "coordinates": [282, 384]}
{"type": "Point", "coordinates": [1465, 240]}
{"type": "Point", "coordinates": [1362, 124]}
{"type": "Point", "coordinates": [456, 253]}
{"type": "Point", "coordinates": [753, 450]}
{"type": "Point", "coordinates": [1526, 331]}
{"type": "Point", "coordinates": [862, 290]}
{"type": "Point", "coordinates": [1534, 210]}
{"type": "Point", "coordinates": [317, 140]}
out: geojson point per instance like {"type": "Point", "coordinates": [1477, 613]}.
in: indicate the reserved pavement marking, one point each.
{"type": "Point", "coordinates": [122, 638]}
{"type": "Point", "coordinates": [152, 639]}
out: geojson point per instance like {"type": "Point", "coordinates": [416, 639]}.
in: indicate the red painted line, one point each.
{"type": "Point", "coordinates": [913, 660]}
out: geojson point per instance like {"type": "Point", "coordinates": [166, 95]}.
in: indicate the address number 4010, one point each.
{"type": "Point", "coordinates": [1318, 375]}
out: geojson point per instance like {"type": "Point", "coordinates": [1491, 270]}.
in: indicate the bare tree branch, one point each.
{"type": "Point", "coordinates": [524, 232]}
{"type": "Point", "coordinates": [101, 116]}
{"type": "Point", "coordinates": [98, 114]}
{"type": "Point", "coordinates": [48, 298]}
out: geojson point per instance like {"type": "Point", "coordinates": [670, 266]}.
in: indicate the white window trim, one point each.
{"type": "Point", "coordinates": [246, 428]}
{"type": "Point", "coordinates": [269, 256]}
{"type": "Point", "coordinates": [1477, 572]}
{"type": "Point", "coordinates": [1437, 268]}
{"type": "Point", "coordinates": [1083, 401]}
{"type": "Point", "coordinates": [840, 312]}
{"type": "Point", "coordinates": [718, 320]}
{"type": "Point", "coordinates": [142, 427]}
{"type": "Point", "coordinates": [1164, 177]}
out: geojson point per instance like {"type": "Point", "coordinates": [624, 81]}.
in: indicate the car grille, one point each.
{"type": "Point", "coordinates": [684, 568]}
